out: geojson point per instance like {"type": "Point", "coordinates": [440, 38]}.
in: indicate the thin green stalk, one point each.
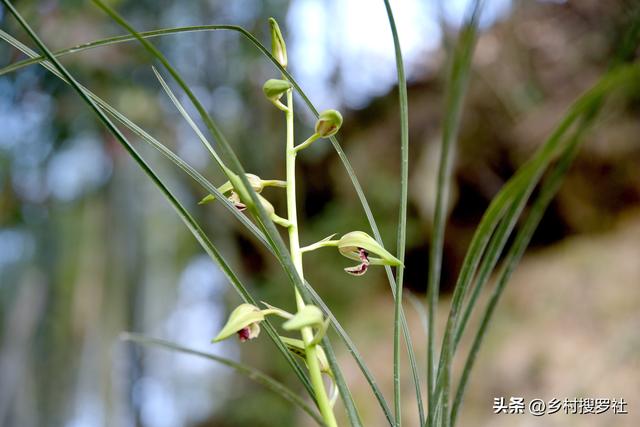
{"type": "Point", "coordinates": [341, 382]}
{"type": "Point", "coordinates": [306, 143]}
{"type": "Point", "coordinates": [458, 80]}
{"type": "Point", "coordinates": [184, 215]}
{"type": "Point", "coordinates": [296, 255]}
{"type": "Point", "coordinates": [246, 370]}
{"type": "Point", "coordinates": [402, 229]}
{"type": "Point", "coordinates": [354, 353]}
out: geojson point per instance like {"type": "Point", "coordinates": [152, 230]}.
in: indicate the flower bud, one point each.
{"type": "Point", "coordinates": [309, 315]}
{"type": "Point", "coordinates": [278, 47]}
{"type": "Point", "coordinates": [359, 246]}
{"type": "Point", "coordinates": [328, 123]}
{"type": "Point", "coordinates": [244, 321]}
{"type": "Point", "coordinates": [275, 88]}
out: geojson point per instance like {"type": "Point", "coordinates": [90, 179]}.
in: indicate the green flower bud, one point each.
{"type": "Point", "coordinates": [275, 88]}
{"type": "Point", "coordinates": [328, 123]}
{"type": "Point", "coordinates": [278, 47]}
{"type": "Point", "coordinates": [244, 321]}
{"type": "Point", "coordinates": [309, 315]}
{"type": "Point", "coordinates": [359, 246]}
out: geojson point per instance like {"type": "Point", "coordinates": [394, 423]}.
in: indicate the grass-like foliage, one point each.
{"type": "Point", "coordinates": [310, 354]}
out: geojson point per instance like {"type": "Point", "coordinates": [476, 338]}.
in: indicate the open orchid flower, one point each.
{"type": "Point", "coordinates": [238, 195]}
{"type": "Point", "coordinates": [361, 247]}
{"type": "Point", "coordinates": [245, 320]}
{"type": "Point", "coordinates": [229, 190]}
{"type": "Point", "coordinates": [358, 246]}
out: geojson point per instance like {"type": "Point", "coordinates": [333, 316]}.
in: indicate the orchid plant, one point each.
{"type": "Point", "coordinates": [241, 195]}
{"type": "Point", "coordinates": [309, 320]}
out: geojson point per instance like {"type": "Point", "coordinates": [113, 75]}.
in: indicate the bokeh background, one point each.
{"type": "Point", "coordinates": [89, 248]}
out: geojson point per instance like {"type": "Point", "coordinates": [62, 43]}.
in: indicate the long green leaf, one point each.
{"type": "Point", "coordinates": [402, 231]}
{"type": "Point", "coordinates": [548, 191]}
{"type": "Point", "coordinates": [498, 241]}
{"type": "Point", "coordinates": [456, 88]}
{"type": "Point", "coordinates": [183, 112]}
{"type": "Point", "coordinates": [115, 40]}
{"type": "Point", "coordinates": [184, 215]}
{"type": "Point", "coordinates": [549, 188]}
{"type": "Point", "coordinates": [522, 182]}
{"type": "Point", "coordinates": [246, 370]}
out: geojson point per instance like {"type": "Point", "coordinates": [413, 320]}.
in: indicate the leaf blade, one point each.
{"type": "Point", "coordinates": [246, 370]}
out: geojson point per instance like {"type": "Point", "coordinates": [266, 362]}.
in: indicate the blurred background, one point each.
{"type": "Point", "coordinates": [89, 248]}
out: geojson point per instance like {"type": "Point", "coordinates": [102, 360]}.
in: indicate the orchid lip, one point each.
{"type": "Point", "coordinates": [240, 206]}
{"type": "Point", "coordinates": [244, 334]}
{"type": "Point", "coordinates": [359, 270]}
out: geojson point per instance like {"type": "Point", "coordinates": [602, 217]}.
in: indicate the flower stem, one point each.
{"type": "Point", "coordinates": [296, 255]}
{"type": "Point", "coordinates": [274, 183]}
{"type": "Point", "coordinates": [318, 245]}
{"type": "Point", "coordinates": [306, 143]}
